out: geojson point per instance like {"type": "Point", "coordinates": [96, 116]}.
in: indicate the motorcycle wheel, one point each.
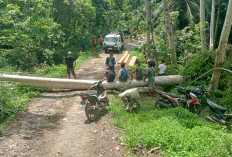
{"type": "Point", "coordinates": [91, 112]}
{"type": "Point", "coordinates": [207, 114]}
{"type": "Point", "coordinates": [162, 103]}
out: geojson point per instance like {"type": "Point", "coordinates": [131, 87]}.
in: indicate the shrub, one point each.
{"type": "Point", "coordinates": [198, 65]}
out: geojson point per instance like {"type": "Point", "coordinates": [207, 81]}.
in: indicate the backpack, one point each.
{"type": "Point", "coordinates": [124, 74]}
{"type": "Point", "coordinates": [139, 74]}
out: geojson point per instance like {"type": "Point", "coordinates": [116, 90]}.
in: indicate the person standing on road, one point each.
{"type": "Point", "coordinates": [131, 31]}
{"type": "Point", "coordinates": [150, 74]}
{"type": "Point", "coordinates": [83, 44]}
{"type": "Point", "coordinates": [101, 41]}
{"type": "Point", "coordinates": [110, 62]}
{"type": "Point", "coordinates": [68, 62]}
{"type": "Point", "coordinates": [94, 43]}
{"type": "Point", "coordinates": [140, 31]}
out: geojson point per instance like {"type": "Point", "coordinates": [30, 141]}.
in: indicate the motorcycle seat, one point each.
{"type": "Point", "coordinates": [173, 95]}
{"type": "Point", "coordinates": [215, 106]}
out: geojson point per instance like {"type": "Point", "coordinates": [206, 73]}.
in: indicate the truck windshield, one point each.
{"type": "Point", "coordinates": [111, 39]}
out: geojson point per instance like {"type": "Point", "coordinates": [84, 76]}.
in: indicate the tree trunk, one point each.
{"type": "Point", "coordinates": [153, 41]}
{"type": "Point", "coordinates": [221, 48]}
{"type": "Point", "coordinates": [55, 83]}
{"type": "Point", "coordinates": [169, 30]}
{"type": "Point", "coordinates": [202, 29]}
{"type": "Point", "coordinates": [148, 25]}
{"type": "Point", "coordinates": [212, 21]}
{"type": "Point", "coordinates": [217, 24]}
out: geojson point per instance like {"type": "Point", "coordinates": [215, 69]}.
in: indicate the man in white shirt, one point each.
{"type": "Point", "coordinates": [161, 68]}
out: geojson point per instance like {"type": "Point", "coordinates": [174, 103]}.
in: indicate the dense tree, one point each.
{"type": "Point", "coordinates": [36, 33]}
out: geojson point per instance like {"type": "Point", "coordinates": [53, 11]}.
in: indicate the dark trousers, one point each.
{"type": "Point", "coordinates": [83, 48]}
{"type": "Point", "coordinates": [161, 74]}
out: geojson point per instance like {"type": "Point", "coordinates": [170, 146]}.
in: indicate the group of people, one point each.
{"type": "Point", "coordinates": [138, 72]}
{"type": "Point", "coordinates": [94, 42]}
{"type": "Point", "coordinates": [134, 33]}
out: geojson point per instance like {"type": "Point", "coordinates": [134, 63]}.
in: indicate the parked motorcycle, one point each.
{"type": "Point", "coordinates": [201, 91]}
{"type": "Point", "coordinates": [131, 103]}
{"type": "Point", "coordinates": [213, 111]}
{"type": "Point", "coordinates": [94, 103]}
{"type": "Point", "coordinates": [169, 100]}
{"type": "Point", "coordinates": [97, 87]}
{"type": "Point", "coordinates": [192, 104]}
{"type": "Point", "coordinates": [188, 100]}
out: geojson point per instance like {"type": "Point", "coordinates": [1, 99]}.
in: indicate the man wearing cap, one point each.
{"type": "Point", "coordinates": [68, 62]}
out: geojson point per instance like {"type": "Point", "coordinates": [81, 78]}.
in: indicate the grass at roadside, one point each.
{"type": "Point", "coordinates": [176, 131]}
{"type": "Point", "coordinates": [13, 99]}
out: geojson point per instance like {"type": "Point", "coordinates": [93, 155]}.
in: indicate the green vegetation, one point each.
{"type": "Point", "coordinates": [51, 71]}
{"type": "Point", "coordinates": [13, 99]}
{"type": "Point", "coordinates": [48, 125]}
{"type": "Point", "coordinates": [35, 36]}
{"type": "Point", "coordinates": [176, 131]}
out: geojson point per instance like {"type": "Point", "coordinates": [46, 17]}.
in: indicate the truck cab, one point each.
{"type": "Point", "coordinates": [113, 42]}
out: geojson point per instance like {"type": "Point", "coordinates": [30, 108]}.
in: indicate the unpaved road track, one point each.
{"type": "Point", "coordinates": [55, 125]}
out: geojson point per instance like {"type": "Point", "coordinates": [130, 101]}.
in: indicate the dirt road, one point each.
{"type": "Point", "coordinates": [55, 125]}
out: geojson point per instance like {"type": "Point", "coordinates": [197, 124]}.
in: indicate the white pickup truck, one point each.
{"type": "Point", "coordinates": [113, 42]}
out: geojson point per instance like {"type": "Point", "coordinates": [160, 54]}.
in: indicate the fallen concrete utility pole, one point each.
{"type": "Point", "coordinates": [49, 83]}
{"type": "Point", "coordinates": [159, 81]}
{"type": "Point", "coordinates": [54, 83]}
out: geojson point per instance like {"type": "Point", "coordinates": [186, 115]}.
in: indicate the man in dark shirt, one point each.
{"type": "Point", "coordinates": [110, 75]}
{"type": "Point", "coordinates": [138, 72]}
{"type": "Point", "coordinates": [110, 62]}
{"type": "Point", "coordinates": [68, 62]}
